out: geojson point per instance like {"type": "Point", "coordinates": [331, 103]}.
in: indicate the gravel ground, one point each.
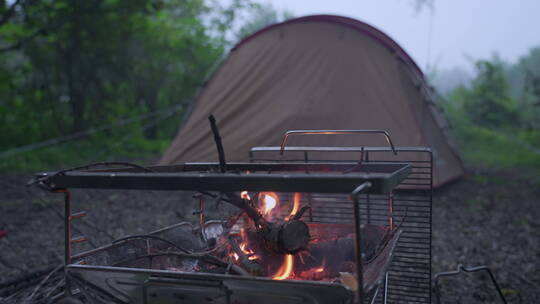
{"type": "Point", "coordinates": [488, 218]}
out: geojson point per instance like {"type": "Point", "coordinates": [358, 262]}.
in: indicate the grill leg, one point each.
{"type": "Point", "coordinates": [385, 293]}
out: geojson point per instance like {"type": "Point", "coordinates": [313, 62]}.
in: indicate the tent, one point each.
{"type": "Point", "coordinates": [315, 72]}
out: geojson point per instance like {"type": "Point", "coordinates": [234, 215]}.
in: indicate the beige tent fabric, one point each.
{"type": "Point", "coordinates": [310, 74]}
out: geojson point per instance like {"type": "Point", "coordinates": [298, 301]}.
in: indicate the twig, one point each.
{"type": "Point", "coordinates": [149, 236]}
{"type": "Point", "coordinates": [29, 298]}
{"type": "Point", "coordinates": [243, 204]}
{"type": "Point", "coordinates": [85, 167]}
{"type": "Point", "coordinates": [203, 257]}
{"type": "Point", "coordinates": [299, 214]}
{"type": "Point", "coordinates": [219, 144]}
{"type": "Point", "coordinates": [10, 11]}
{"type": "Point", "coordinates": [248, 208]}
{"type": "Point", "coordinates": [252, 267]}
{"type": "Point", "coordinates": [55, 287]}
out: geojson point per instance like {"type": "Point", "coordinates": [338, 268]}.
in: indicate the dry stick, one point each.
{"type": "Point", "coordinates": [22, 282]}
{"type": "Point", "coordinates": [54, 288]}
{"type": "Point", "coordinates": [61, 266]}
{"type": "Point", "coordinates": [233, 198]}
{"type": "Point", "coordinates": [244, 205]}
{"type": "Point", "coordinates": [251, 266]}
{"type": "Point", "coordinates": [277, 235]}
{"type": "Point", "coordinates": [299, 214]}
{"type": "Point", "coordinates": [12, 296]}
{"type": "Point", "coordinates": [219, 144]}
{"type": "Point", "coordinates": [41, 180]}
{"type": "Point", "coordinates": [203, 257]}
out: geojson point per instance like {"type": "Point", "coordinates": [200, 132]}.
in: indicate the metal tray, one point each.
{"type": "Point", "coordinates": [332, 177]}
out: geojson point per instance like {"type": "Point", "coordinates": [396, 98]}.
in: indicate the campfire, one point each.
{"type": "Point", "coordinates": [277, 236]}
{"type": "Point", "coordinates": [272, 245]}
{"type": "Point", "coordinates": [266, 238]}
{"type": "Point", "coordinates": [323, 231]}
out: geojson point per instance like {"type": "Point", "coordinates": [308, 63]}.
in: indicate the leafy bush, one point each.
{"type": "Point", "coordinates": [71, 66]}
{"type": "Point", "coordinates": [491, 126]}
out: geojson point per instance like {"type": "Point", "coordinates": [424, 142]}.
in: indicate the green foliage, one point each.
{"type": "Point", "coordinates": [262, 15]}
{"type": "Point", "coordinates": [488, 102]}
{"type": "Point", "coordinates": [495, 148]}
{"type": "Point", "coordinates": [492, 127]}
{"type": "Point", "coordinates": [524, 80]}
{"type": "Point", "coordinates": [70, 66]}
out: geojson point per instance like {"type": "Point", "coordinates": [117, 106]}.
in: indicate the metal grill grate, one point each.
{"type": "Point", "coordinates": [409, 205]}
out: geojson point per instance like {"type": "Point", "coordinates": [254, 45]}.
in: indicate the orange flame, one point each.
{"type": "Point", "coordinates": [244, 194]}
{"type": "Point", "coordinates": [296, 206]}
{"type": "Point", "coordinates": [286, 268]}
{"type": "Point", "coordinates": [243, 247]}
{"type": "Point", "coordinates": [270, 200]}
{"type": "Point", "coordinates": [288, 262]}
{"type": "Point", "coordinates": [253, 257]}
{"type": "Point", "coordinates": [244, 250]}
{"type": "Point", "coordinates": [320, 269]}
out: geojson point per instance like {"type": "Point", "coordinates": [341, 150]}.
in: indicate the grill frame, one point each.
{"type": "Point", "coordinates": [124, 179]}
{"type": "Point", "coordinates": [408, 278]}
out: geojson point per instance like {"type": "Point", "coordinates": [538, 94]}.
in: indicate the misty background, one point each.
{"type": "Point", "coordinates": [445, 38]}
{"type": "Point", "coordinates": [104, 80]}
{"type": "Point", "coordinates": [84, 81]}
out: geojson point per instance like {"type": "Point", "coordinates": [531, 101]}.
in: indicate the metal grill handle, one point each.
{"type": "Point", "coordinates": [335, 132]}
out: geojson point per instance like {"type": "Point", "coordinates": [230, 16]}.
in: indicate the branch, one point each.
{"type": "Point", "coordinates": [9, 12]}
{"type": "Point", "coordinates": [21, 42]}
{"type": "Point", "coordinates": [219, 144]}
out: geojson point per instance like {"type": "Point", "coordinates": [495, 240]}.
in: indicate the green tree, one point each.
{"type": "Point", "coordinates": [488, 102]}
{"type": "Point", "coordinates": [489, 123]}
{"type": "Point", "coordinates": [524, 79]}
{"type": "Point", "coordinates": [68, 66]}
{"type": "Point", "coordinates": [261, 15]}
{"type": "Point", "coordinates": [72, 65]}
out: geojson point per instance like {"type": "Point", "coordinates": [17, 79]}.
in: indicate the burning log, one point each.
{"type": "Point", "coordinates": [290, 240]}
{"type": "Point", "coordinates": [250, 266]}
{"type": "Point", "coordinates": [285, 238]}
{"type": "Point", "coordinates": [328, 257]}
{"type": "Point", "coordinates": [288, 237]}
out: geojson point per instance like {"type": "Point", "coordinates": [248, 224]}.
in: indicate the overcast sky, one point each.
{"type": "Point", "coordinates": [461, 29]}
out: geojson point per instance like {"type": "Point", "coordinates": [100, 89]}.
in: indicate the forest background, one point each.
{"type": "Point", "coordinates": [102, 80]}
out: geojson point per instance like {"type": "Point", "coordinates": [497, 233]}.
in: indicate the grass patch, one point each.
{"type": "Point", "coordinates": [498, 149]}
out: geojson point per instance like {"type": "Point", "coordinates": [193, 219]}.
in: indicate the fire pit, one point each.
{"type": "Point", "coordinates": [314, 232]}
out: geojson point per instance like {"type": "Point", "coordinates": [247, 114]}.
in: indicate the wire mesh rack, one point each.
{"type": "Point", "coordinates": [409, 206]}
